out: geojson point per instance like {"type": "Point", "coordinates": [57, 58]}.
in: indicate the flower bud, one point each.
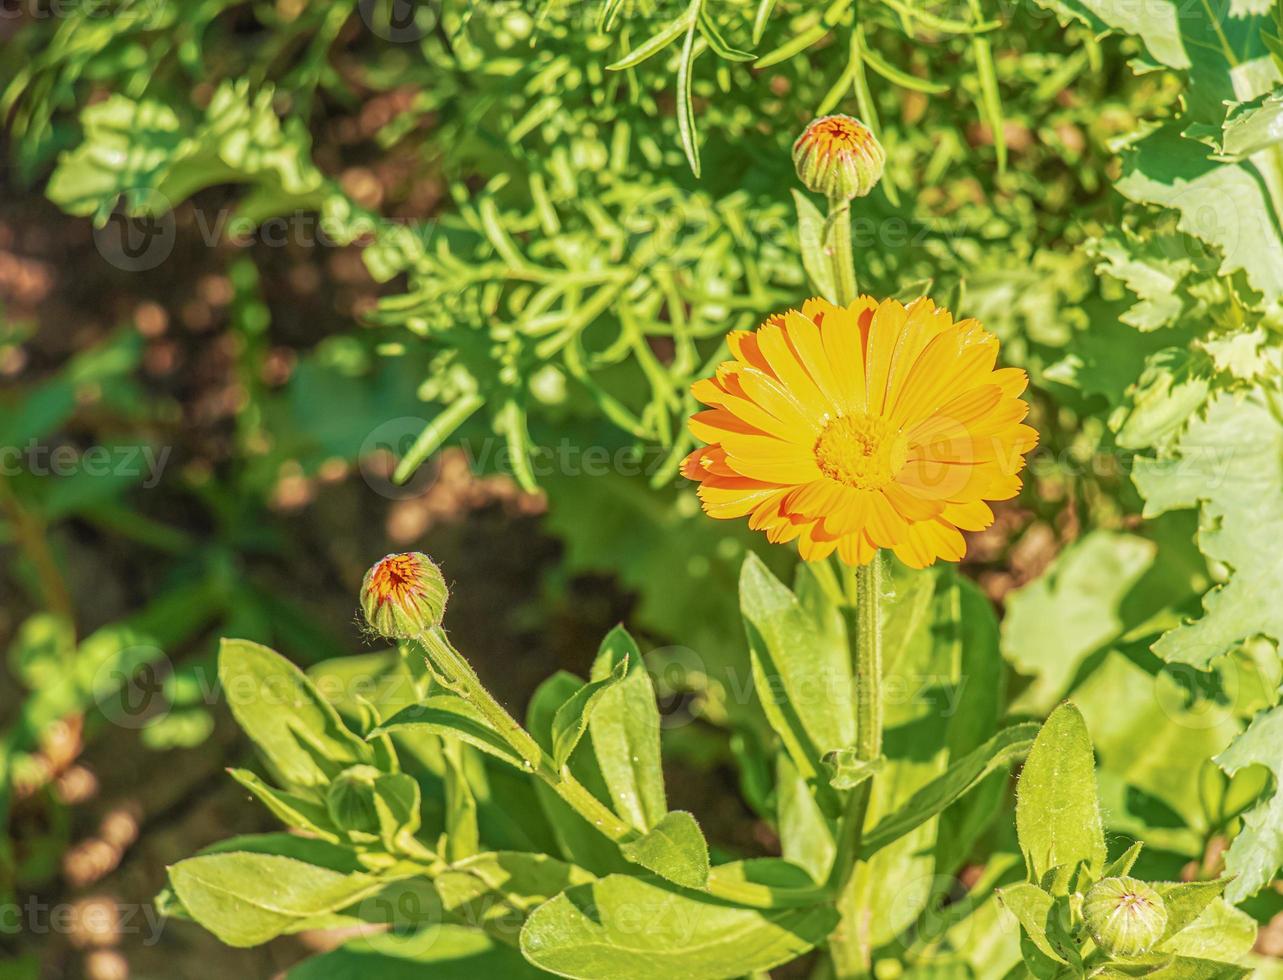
{"type": "Point", "coordinates": [839, 157]}
{"type": "Point", "coordinates": [404, 595]}
{"type": "Point", "coordinates": [1124, 916]}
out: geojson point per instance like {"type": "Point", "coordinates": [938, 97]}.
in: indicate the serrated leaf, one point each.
{"type": "Point", "coordinates": [1257, 852]}
{"type": "Point", "coordinates": [1229, 464]}
{"type": "Point", "coordinates": [1223, 204]}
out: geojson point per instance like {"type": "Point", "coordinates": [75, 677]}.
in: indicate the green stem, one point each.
{"type": "Point", "coordinates": [840, 252]}
{"type": "Point", "coordinates": [848, 947]}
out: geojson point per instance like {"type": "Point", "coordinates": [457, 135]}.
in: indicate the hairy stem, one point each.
{"type": "Point", "coordinates": [838, 235]}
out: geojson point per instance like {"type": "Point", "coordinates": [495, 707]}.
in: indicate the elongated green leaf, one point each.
{"type": "Point", "coordinates": [802, 672]}
{"type": "Point", "coordinates": [624, 928]}
{"type": "Point", "coordinates": [806, 837]}
{"type": "Point", "coordinates": [902, 78]}
{"type": "Point", "coordinates": [1057, 808]}
{"type": "Point", "coordinates": [450, 715]}
{"type": "Point", "coordinates": [246, 899]}
{"type": "Point", "coordinates": [292, 810]}
{"type": "Point", "coordinates": [675, 849]}
{"type": "Point", "coordinates": [960, 778]}
{"type": "Point", "coordinates": [655, 44]}
{"type": "Point", "coordinates": [685, 105]}
{"type": "Point", "coordinates": [810, 230]}
{"type": "Point", "coordinates": [578, 840]}
{"type": "Point", "coordinates": [571, 720]}
{"type": "Point", "coordinates": [624, 730]}
{"type": "Point", "coordinates": [719, 44]}
{"type": "Point", "coordinates": [299, 734]}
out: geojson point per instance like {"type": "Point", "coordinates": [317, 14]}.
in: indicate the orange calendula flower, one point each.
{"type": "Point", "coordinates": [871, 426]}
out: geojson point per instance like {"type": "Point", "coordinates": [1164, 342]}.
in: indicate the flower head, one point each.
{"type": "Point", "coordinates": [839, 157]}
{"type": "Point", "coordinates": [403, 595]}
{"type": "Point", "coordinates": [871, 426]}
{"type": "Point", "coordinates": [1125, 916]}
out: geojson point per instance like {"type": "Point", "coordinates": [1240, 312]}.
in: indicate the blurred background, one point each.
{"type": "Point", "coordinates": [285, 287]}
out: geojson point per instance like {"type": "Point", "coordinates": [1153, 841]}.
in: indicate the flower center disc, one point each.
{"type": "Point", "coordinates": [860, 450]}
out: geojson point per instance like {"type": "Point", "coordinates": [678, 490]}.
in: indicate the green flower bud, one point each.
{"type": "Point", "coordinates": [404, 595]}
{"type": "Point", "coordinates": [350, 800]}
{"type": "Point", "coordinates": [1124, 916]}
{"type": "Point", "coordinates": [839, 157]}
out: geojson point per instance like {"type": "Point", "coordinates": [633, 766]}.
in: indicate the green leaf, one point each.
{"type": "Point", "coordinates": [1186, 900]}
{"type": "Point", "coordinates": [801, 669]}
{"type": "Point", "coordinates": [498, 889]}
{"type": "Point", "coordinates": [1122, 866]}
{"type": "Point", "coordinates": [675, 849]}
{"type": "Point", "coordinates": [246, 899]}
{"type": "Point", "coordinates": [810, 230]}
{"type": "Point", "coordinates": [625, 928]}
{"type": "Point", "coordinates": [1224, 204]}
{"type": "Point", "coordinates": [1229, 464]}
{"type": "Point", "coordinates": [463, 837]}
{"type": "Point", "coordinates": [1032, 907]}
{"type": "Point", "coordinates": [294, 811]}
{"type": "Point", "coordinates": [806, 837]}
{"type": "Point", "coordinates": [442, 952]}
{"type": "Point", "coordinates": [1253, 126]}
{"type": "Point", "coordinates": [959, 779]}
{"type": "Point", "coordinates": [1257, 852]}
{"type": "Point", "coordinates": [1057, 809]}
{"type": "Point", "coordinates": [578, 840]}
{"type": "Point", "coordinates": [624, 729]}
{"type": "Point", "coordinates": [847, 770]}
{"type": "Point", "coordinates": [942, 677]}
{"type": "Point", "coordinates": [656, 43]}
{"type": "Point", "coordinates": [143, 151]}
{"type": "Point", "coordinates": [571, 719]}
{"type": "Point", "coordinates": [450, 715]}
{"type": "Point", "coordinates": [299, 734]}
{"type": "Point", "coordinates": [685, 106]}
{"type": "Point", "coordinates": [1220, 932]}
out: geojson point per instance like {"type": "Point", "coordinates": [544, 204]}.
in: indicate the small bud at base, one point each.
{"type": "Point", "coordinates": [839, 157]}
{"type": "Point", "coordinates": [404, 595]}
{"type": "Point", "coordinates": [1125, 916]}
